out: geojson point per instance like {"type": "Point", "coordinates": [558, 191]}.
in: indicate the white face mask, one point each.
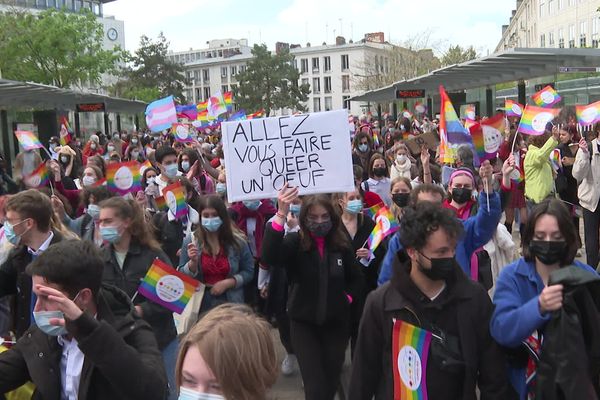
{"type": "Point", "coordinates": [401, 158]}
{"type": "Point", "coordinates": [189, 394]}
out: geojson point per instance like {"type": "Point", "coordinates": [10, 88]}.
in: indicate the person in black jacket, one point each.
{"type": "Point", "coordinates": [324, 279]}
{"type": "Point", "coordinates": [429, 290]}
{"type": "Point", "coordinates": [88, 343]}
{"type": "Point", "coordinates": [128, 253]}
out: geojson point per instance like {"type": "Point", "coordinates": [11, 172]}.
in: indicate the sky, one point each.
{"type": "Point", "coordinates": [191, 23]}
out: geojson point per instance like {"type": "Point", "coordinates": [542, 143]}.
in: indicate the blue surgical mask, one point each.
{"type": "Point", "coordinates": [295, 208]}
{"type": "Point", "coordinates": [221, 188]}
{"type": "Point", "coordinates": [252, 204]}
{"type": "Point", "coordinates": [185, 166]}
{"type": "Point", "coordinates": [94, 211]}
{"type": "Point", "coordinates": [212, 224]}
{"type": "Point", "coordinates": [363, 148]}
{"type": "Point", "coordinates": [171, 170]}
{"type": "Point", "coordinates": [42, 320]}
{"type": "Point", "coordinates": [189, 394]}
{"type": "Point", "coordinates": [354, 206]}
{"type": "Point", "coordinates": [10, 234]}
{"type": "Point", "coordinates": [110, 234]}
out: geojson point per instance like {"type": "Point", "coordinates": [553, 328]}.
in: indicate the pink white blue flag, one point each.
{"type": "Point", "coordinates": [161, 114]}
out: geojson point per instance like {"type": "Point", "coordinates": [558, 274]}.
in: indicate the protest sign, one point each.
{"type": "Point", "coordinates": [310, 151]}
{"type": "Point", "coordinates": [428, 139]}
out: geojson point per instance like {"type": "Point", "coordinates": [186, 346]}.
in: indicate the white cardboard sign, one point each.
{"type": "Point", "coordinates": [310, 151]}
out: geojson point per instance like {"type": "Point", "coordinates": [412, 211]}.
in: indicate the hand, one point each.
{"type": "Point", "coordinates": [551, 298]}
{"type": "Point", "coordinates": [194, 256]}
{"type": "Point", "coordinates": [363, 253]}
{"type": "Point", "coordinates": [222, 286]}
{"type": "Point", "coordinates": [425, 156]}
{"type": "Point", "coordinates": [193, 171]}
{"type": "Point", "coordinates": [485, 173]}
{"type": "Point", "coordinates": [285, 197]}
{"type": "Point", "coordinates": [556, 133]}
{"type": "Point", "coordinates": [152, 190]}
{"type": "Point", "coordinates": [583, 145]}
{"type": "Point", "coordinates": [140, 198]}
{"type": "Point", "coordinates": [292, 221]}
{"type": "Point", "coordinates": [58, 206]}
{"type": "Point", "coordinates": [55, 168]}
{"type": "Point", "coordinates": [139, 310]}
{"type": "Point", "coordinates": [568, 161]}
{"type": "Point", "coordinates": [509, 166]}
{"type": "Point", "coordinates": [264, 292]}
{"type": "Point", "coordinates": [64, 304]}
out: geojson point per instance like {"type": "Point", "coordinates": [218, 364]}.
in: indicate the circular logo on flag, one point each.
{"type": "Point", "coordinates": [33, 181]}
{"type": "Point", "coordinates": [547, 97]}
{"type": "Point", "coordinates": [385, 223]}
{"type": "Point", "coordinates": [517, 109]}
{"type": "Point", "coordinates": [539, 122]}
{"type": "Point", "coordinates": [515, 175]}
{"type": "Point", "coordinates": [491, 139]}
{"type": "Point", "coordinates": [409, 366]}
{"type": "Point", "coordinates": [182, 131]}
{"type": "Point", "coordinates": [420, 108]}
{"type": "Point", "coordinates": [170, 288]}
{"type": "Point", "coordinates": [406, 114]}
{"type": "Point", "coordinates": [171, 201]}
{"type": "Point", "coordinates": [123, 178]}
{"type": "Point", "coordinates": [589, 115]}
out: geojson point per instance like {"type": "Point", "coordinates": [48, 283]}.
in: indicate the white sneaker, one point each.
{"type": "Point", "coordinates": [288, 366]}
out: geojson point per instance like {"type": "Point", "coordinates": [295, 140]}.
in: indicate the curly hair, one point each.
{"type": "Point", "coordinates": [419, 222]}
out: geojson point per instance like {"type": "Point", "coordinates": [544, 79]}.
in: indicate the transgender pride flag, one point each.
{"type": "Point", "coordinates": [161, 114]}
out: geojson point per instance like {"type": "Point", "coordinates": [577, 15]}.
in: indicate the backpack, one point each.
{"type": "Point", "coordinates": [481, 268]}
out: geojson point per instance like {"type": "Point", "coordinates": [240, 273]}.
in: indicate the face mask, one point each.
{"type": "Point", "coordinates": [42, 320]}
{"type": "Point", "coordinates": [64, 159]}
{"type": "Point", "coordinates": [93, 146]}
{"type": "Point", "coordinates": [185, 165]}
{"type": "Point", "coordinates": [379, 171]}
{"type": "Point", "coordinates": [441, 268]}
{"type": "Point", "coordinates": [401, 199]}
{"type": "Point", "coordinates": [221, 188]}
{"type": "Point", "coordinates": [295, 209]}
{"type": "Point", "coordinates": [88, 180]}
{"type": "Point", "coordinates": [548, 252]}
{"type": "Point", "coordinates": [150, 180]}
{"type": "Point", "coordinates": [94, 211]}
{"type": "Point", "coordinates": [354, 206]}
{"type": "Point", "coordinates": [135, 155]}
{"type": "Point", "coordinates": [363, 148]}
{"type": "Point", "coordinates": [110, 148]}
{"type": "Point", "coordinates": [171, 170]}
{"type": "Point", "coordinates": [10, 234]}
{"type": "Point", "coordinates": [461, 195]}
{"type": "Point", "coordinates": [134, 141]}
{"type": "Point", "coordinates": [189, 394]}
{"type": "Point", "coordinates": [401, 159]}
{"type": "Point", "coordinates": [319, 229]}
{"type": "Point", "coordinates": [116, 136]}
{"type": "Point", "coordinates": [110, 234]}
{"type": "Point", "coordinates": [252, 205]}
{"type": "Point", "coordinates": [212, 224]}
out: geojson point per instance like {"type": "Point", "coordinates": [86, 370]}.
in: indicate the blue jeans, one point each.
{"type": "Point", "coordinates": [169, 355]}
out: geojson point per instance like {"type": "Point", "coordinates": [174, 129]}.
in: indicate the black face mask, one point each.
{"type": "Point", "coordinates": [441, 268]}
{"type": "Point", "coordinates": [461, 195]}
{"type": "Point", "coordinates": [401, 199]}
{"type": "Point", "coordinates": [548, 252]}
{"type": "Point", "coordinates": [379, 171]}
{"type": "Point", "coordinates": [319, 229]}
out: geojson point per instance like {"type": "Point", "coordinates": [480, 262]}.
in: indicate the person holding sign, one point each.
{"type": "Point", "coordinates": [324, 280]}
{"type": "Point", "coordinates": [425, 333]}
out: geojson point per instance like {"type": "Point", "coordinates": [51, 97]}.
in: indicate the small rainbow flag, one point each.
{"type": "Point", "coordinates": [372, 212]}
{"type": "Point", "coordinates": [144, 166]}
{"type": "Point", "coordinates": [410, 351]}
{"type": "Point", "coordinates": [181, 132]}
{"type": "Point", "coordinates": [228, 98]}
{"type": "Point", "coordinates": [161, 203]}
{"type": "Point", "coordinates": [407, 114]}
{"type": "Point", "coordinates": [37, 178]}
{"type": "Point", "coordinates": [420, 108]}
{"type": "Point", "coordinates": [588, 115]}
{"type": "Point", "coordinates": [167, 287]}
{"type": "Point", "coordinates": [123, 178]}
{"type": "Point", "coordinates": [478, 140]}
{"type": "Point", "coordinates": [488, 137]}
{"type": "Point", "coordinates": [375, 139]}
{"type": "Point", "coordinates": [555, 159]}
{"type": "Point", "coordinates": [174, 195]}
{"type": "Point", "coordinates": [450, 125]}
{"type": "Point", "coordinates": [385, 225]}
{"type": "Point", "coordinates": [28, 140]}
{"type": "Point", "coordinates": [65, 136]}
{"type": "Point", "coordinates": [513, 109]}
{"type": "Point", "coordinates": [258, 114]}
{"type": "Point", "coordinates": [518, 175]}
{"type": "Point", "coordinates": [534, 120]}
{"type": "Point", "coordinates": [547, 97]}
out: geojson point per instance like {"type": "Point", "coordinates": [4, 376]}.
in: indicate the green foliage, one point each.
{"type": "Point", "coordinates": [270, 82]}
{"type": "Point", "coordinates": [457, 55]}
{"type": "Point", "coordinates": [149, 74]}
{"type": "Point", "coordinates": [54, 47]}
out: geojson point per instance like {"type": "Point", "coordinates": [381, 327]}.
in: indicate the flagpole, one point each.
{"type": "Point", "coordinates": [486, 187]}
{"type": "Point", "coordinates": [514, 141]}
{"type": "Point", "coordinates": [49, 180]}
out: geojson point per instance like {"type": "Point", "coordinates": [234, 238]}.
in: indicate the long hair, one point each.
{"type": "Point", "coordinates": [229, 234]}
{"type": "Point", "coordinates": [139, 229]}
{"type": "Point", "coordinates": [335, 239]}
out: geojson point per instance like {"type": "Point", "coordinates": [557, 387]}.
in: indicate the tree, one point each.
{"type": "Point", "coordinates": [55, 48]}
{"type": "Point", "coordinates": [149, 74]}
{"type": "Point", "coordinates": [457, 55]}
{"type": "Point", "coordinates": [270, 81]}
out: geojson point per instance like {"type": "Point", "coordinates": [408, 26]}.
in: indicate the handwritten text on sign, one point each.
{"type": "Point", "coordinates": [310, 151]}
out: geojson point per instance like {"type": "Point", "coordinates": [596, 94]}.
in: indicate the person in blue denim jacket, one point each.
{"type": "Point", "coordinates": [524, 301]}
{"type": "Point", "coordinates": [218, 255]}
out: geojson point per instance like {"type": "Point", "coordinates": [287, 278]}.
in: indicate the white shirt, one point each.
{"type": "Point", "coordinates": [71, 364]}
{"type": "Point", "coordinates": [381, 187]}
{"type": "Point", "coordinates": [43, 247]}
{"type": "Point", "coordinates": [250, 231]}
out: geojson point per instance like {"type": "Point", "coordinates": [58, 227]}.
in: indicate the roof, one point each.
{"type": "Point", "coordinates": [339, 47]}
{"type": "Point", "coordinates": [505, 66]}
{"type": "Point", "coordinates": [14, 94]}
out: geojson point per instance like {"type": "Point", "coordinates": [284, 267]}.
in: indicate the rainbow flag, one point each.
{"type": "Point", "coordinates": [28, 140]}
{"type": "Point", "coordinates": [385, 225]}
{"type": "Point", "coordinates": [420, 108]}
{"type": "Point", "coordinates": [258, 114]}
{"type": "Point", "coordinates": [37, 178]}
{"type": "Point", "coordinates": [534, 120]}
{"type": "Point", "coordinates": [181, 132]}
{"type": "Point", "coordinates": [478, 140]}
{"type": "Point", "coordinates": [513, 109]}
{"type": "Point", "coordinates": [555, 159]}
{"type": "Point", "coordinates": [216, 105]}
{"type": "Point", "coordinates": [188, 111]}
{"type": "Point", "coordinates": [518, 175]}
{"type": "Point", "coordinates": [547, 97]}
{"type": "Point", "coordinates": [161, 203]}
{"type": "Point", "coordinates": [588, 115]}
{"type": "Point", "coordinates": [174, 195]}
{"type": "Point", "coordinates": [167, 287]}
{"type": "Point", "coordinates": [228, 98]}
{"type": "Point", "coordinates": [446, 153]}
{"type": "Point", "coordinates": [410, 351]}
{"type": "Point", "coordinates": [65, 136]}
{"type": "Point", "coordinates": [238, 116]}
{"type": "Point", "coordinates": [491, 130]}
{"type": "Point", "coordinates": [123, 178]}
{"type": "Point", "coordinates": [375, 139]}
{"type": "Point", "coordinates": [407, 114]}
{"type": "Point", "coordinates": [451, 126]}
{"type": "Point", "coordinates": [372, 212]}
{"type": "Point", "coordinates": [143, 167]}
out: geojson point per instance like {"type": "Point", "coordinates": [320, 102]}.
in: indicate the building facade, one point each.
{"type": "Point", "coordinates": [552, 23]}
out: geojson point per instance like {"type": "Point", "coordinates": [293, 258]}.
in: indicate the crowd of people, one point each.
{"type": "Point", "coordinates": [73, 254]}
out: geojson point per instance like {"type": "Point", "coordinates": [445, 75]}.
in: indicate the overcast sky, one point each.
{"type": "Point", "coordinates": [191, 23]}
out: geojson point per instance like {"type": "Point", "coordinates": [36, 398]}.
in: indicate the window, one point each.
{"type": "Point", "coordinates": [315, 64]}
{"type": "Point", "coordinates": [223, 72]}
{"type": "Point", "coordinates": [550, 6]}
{"type": "Point", "coordinates": [206, 93]}
{"type": "Point", "coordinates": [198, 97]}
{"type": "Point", "coordinates": [197, 75]}
{"type": "Point", "coordinates": [571, 35]}
{"type": "Point", "coordinates": [242, 68]}
{"type": "Point", "coordinates": [327, 84]}
{"type": "Point", "coordinates": [304, 65]}
{"type": "Point", "coordinates": [345, 83]}
{"type": "Point", "coordinates": [346, 102]}
{"type": "Point", "coordinates": [224, 89]}
{"type": "Point", "coordinates": [316, 85]}
{"type": "Point", "coordinates": [305, 82]}
{"type": "Point", "coordinates": [543, 40]}
{"type": "Point", "coordinates": [561, 38]}
{"type": "Point", "coordinates": [551, 39]}
{"type": "Point", "coordinates": [595, 43]}
{"type": "Point", "coordinates": [582, 33]}
{"type": "Point", "coordinates": [594, 26]}
{"type": "Point", "coordinates": [206, 75]}
{"type": "Point", "coordinates": [345, 62]}
{"type": "Point", "coordinates": [542, 4]}
{"type": "Point", "coordinates": [572, 2]}
{"type": "Point", "coordinates": [316, 104]}
{"type": "Point", "coordinates": [561, 4]}
{"type": "Point", "coordinates": [328, 103]}
{"type": "Point", "coordinates": [327, 63]}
